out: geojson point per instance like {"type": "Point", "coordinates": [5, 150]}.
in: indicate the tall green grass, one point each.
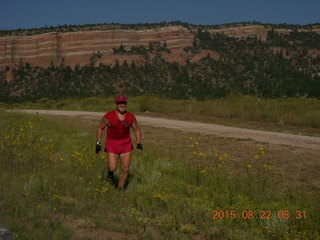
{"type": "Point", "coordinates": [50, 173]}
{"type": "Point", "coordinates": [283, 111]}
{"type": "Point", "coordinates": [293, 111]}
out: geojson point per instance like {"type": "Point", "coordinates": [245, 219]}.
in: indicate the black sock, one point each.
{"type": "Point", "coordinates": [110, 175]}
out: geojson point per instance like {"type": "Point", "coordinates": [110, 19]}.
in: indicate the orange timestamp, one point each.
{"type": "Point", "coordinates": [263, 214]}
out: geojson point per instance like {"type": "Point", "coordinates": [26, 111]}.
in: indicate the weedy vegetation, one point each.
{"type": "Point", "coordinates": [238, 110]}
{"type": "Point", "coordinates": [50, 175]}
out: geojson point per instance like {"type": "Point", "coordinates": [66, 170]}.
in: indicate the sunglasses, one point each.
{"type": "Point", "coordinates": [118, 103]}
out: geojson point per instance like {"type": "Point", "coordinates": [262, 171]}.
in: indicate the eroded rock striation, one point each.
{"type": "Point", "coordinates": [77, 47]}
{"type": "Point", "coordinates": [74, 48]}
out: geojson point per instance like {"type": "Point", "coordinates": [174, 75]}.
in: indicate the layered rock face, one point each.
{"type": "Point", "coordinates": [77, 47]}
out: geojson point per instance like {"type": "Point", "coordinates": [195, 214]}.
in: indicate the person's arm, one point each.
{"type": "Point", "coordinates": [103, 124]}
{"type": "Point", "coordinates": [137, 134]}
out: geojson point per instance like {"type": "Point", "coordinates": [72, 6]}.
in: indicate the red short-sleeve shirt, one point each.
{"type": "Point", "coordinates": [119, 129]}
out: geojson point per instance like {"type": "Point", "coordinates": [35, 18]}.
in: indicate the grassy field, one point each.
{"type": "Point", "coordinates": [293, 115]}
{"type": "Point", "coordinates": [182, 186]}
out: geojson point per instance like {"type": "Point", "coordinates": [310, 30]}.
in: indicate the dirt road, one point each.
{"type": "Point", "coordinates": [306, 142]}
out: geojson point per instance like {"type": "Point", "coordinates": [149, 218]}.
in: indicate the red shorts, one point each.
{"type": "Point", "coordinates": [119, 145]}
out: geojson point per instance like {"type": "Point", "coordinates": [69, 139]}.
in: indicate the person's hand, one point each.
{"type": "Point", "coordinates": [98, 147]}
{"type": "Point", "coordinates": [139, 146]}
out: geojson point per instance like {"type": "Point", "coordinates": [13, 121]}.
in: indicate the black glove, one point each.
{"type": "Point", "coordinates": [98, 147]}
{"type": "Point", "coordinates": [139, 146]}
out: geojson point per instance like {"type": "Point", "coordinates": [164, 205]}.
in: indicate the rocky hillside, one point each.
{"type": "Point", "coordinates": [77, 47]}
{"type": "Point", "coordinates": [174, 59]}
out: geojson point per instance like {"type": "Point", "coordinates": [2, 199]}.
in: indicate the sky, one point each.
{"type": "Point", "coordinates": [26, 14]}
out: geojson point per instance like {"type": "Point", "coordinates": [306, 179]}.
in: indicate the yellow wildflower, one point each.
{"type": "Point", "coordinates": [201, 154]}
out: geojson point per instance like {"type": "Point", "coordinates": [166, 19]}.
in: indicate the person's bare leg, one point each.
{"type": "Point", "coordinates": [125, 164]}
{"type": "Point", "coordinates": [112, 164]}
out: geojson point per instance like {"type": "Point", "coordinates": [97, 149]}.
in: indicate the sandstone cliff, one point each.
{"type": "Point", "coordinates": [77, 47]}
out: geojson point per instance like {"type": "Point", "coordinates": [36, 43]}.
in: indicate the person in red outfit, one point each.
{"type": "Point", "coordinates": [119, 144]}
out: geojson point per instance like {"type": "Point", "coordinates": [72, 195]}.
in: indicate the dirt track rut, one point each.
{"type": "Point", "coordinates": [306, 142]}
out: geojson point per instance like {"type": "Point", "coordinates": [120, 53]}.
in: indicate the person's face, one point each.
{"type": "Point", "coordinates": [121, 106]}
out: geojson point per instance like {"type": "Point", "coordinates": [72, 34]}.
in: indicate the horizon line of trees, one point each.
{"type": "Point", "coordinates": [246, 66]}
{"type": "Point", "coordinates": [209, 79]}
{"type": "Point", "coordinates": [139, 26]}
